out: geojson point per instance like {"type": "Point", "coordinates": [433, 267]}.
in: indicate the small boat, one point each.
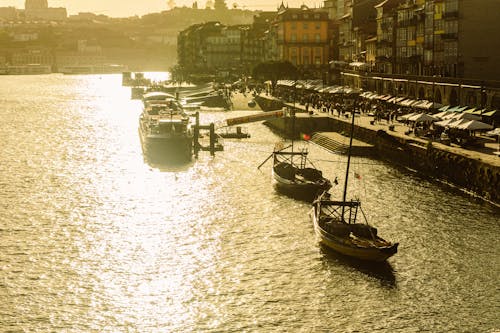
{"type": "Point", "coordinates": [165, 130]}
{"type": "Point", "coordinates": [336, 225]}
{"type": "Point", "coordinates": [295, 175]}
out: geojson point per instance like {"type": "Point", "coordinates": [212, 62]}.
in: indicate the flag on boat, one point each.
{"type": "Point", "coordinates": [305, 137]}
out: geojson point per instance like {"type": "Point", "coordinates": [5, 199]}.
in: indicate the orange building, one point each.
{"type": "Point", "coordinates": [303, 37]}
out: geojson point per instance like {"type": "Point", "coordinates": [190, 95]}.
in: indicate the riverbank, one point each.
{"type": "Point", "coordinates": [243, 102]}
{"type": "Point", "coordinates": [476, 171]}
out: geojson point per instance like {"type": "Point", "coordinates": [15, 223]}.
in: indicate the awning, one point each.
{"type": "Point", "coordinates": [444, 108]}
{"type": "Point", "coordinates": [475, 125]}
{"type": "Point", "coordinates": [458, 108]}
{"type": "Point", "coordinates": [422, 117]}
{"type": "Point", "coordinates": [468, 116]}
{"type": "Point", "coordinates": [489, 113]}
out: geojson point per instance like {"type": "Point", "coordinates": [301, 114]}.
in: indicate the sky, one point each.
{"type": "Point", "coordinates": [125, 8]}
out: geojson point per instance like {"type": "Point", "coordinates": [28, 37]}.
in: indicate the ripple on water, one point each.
{"type": "Point", "coordinates": [93, 238]}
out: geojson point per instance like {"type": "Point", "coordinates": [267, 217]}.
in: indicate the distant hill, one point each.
{"type": "Point", "coordinates": [182, 17]}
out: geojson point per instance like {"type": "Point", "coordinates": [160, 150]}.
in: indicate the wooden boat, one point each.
{"type": "Point", "coordinates": [335, 224]}
{"type": "Point", "coordinates": [295, 175]}
{"type": "Point", "coordinates": [165, 130]}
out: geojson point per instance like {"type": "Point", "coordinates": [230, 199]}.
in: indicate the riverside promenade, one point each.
{"type": "Point", "coordinates": [475, 170]}
{"type": "Point", "coordinates": [486, 154]}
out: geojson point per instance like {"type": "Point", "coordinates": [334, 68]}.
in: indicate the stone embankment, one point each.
{"type": "Point", "coordinates": [475, 172]}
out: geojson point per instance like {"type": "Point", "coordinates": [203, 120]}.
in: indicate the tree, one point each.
{"type": "Point", "coordinates": [220, 5]}
{"type": "Point", "coordinates": [274, 71]}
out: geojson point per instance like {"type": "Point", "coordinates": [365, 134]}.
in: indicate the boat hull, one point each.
{"type": "Point", "coordinates": [300, 190]}
{"type": "Point", "coordinates": [297, 179]}
{"type": "Point", "coordinates": [347, 248]}
{"type": "Point", "coordinates": [155, 147]}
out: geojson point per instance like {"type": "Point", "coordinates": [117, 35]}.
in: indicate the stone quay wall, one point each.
{"type": "Point", "coordinates": [474, 175]}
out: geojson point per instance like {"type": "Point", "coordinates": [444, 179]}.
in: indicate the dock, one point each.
{"type": "Point", "coordinates": [338, 143]}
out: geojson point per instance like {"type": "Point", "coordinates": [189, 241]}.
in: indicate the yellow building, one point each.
{"type": "Point", "coordinates": [303, 37]}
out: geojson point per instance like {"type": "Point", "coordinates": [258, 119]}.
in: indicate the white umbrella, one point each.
{"type": "Point", "coordinates": [496, 131]}
{"type": "Point", "coordinates": [475, 125]}
{"type": "Point", "coordinates": [453, 123]}
{"type": "Point", "coordinates": [422, 117]}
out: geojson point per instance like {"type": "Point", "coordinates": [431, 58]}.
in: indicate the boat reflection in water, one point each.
{"type": "Point", "coordinates": [382, 271]}
{"type": "Point", "coordinates": [165, 130]}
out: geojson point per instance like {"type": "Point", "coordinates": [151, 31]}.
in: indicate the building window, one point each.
{"type": "Point", "coordinates": [317, 38]}
{"type": "Point", "coordinates": [305, 25]}
{"type": "Point", "coordinates": [293, 37]}
{"type": "Point", "coordinates": [318, 25]}
{"type": "Point", "coordinates": [305, 38]}
{"type": "Point", "coordinates": [294, 25]}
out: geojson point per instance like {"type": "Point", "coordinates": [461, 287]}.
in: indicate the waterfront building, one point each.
{"type": "Point", "coordinates": [303, 37]}
{"type": "Point", "coordinates": [442, 38]}
{"type": "Point", "coordinates": [192, 46]}
{"type": "Point", "coordinates": [8, 14]}
{"type": "Point", "coordinates": [223, 50]}
{"type": "Point", "coordinates": [41, 56]}
{"type": "Point", "coordinates": [254, 40]}
{"type": "Point", "coordinates": [87, 53]}
{"type": "Point", "coordinates": [355, 26]}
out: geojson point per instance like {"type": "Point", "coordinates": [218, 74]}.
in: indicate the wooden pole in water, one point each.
{"type": "Point", "coordinates": [212, 139]}
{"type": "Point", "coordinates": [196, 135]}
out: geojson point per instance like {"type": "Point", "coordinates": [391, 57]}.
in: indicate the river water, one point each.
{"type": "Point", "coordinates": [95, 239]}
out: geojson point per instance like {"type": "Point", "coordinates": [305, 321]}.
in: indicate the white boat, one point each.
{"type": "Point", "coordinates": [165, 131]}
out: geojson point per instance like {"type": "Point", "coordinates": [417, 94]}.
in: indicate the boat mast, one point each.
{"type": "Point", "coordinates": [348, 162]}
